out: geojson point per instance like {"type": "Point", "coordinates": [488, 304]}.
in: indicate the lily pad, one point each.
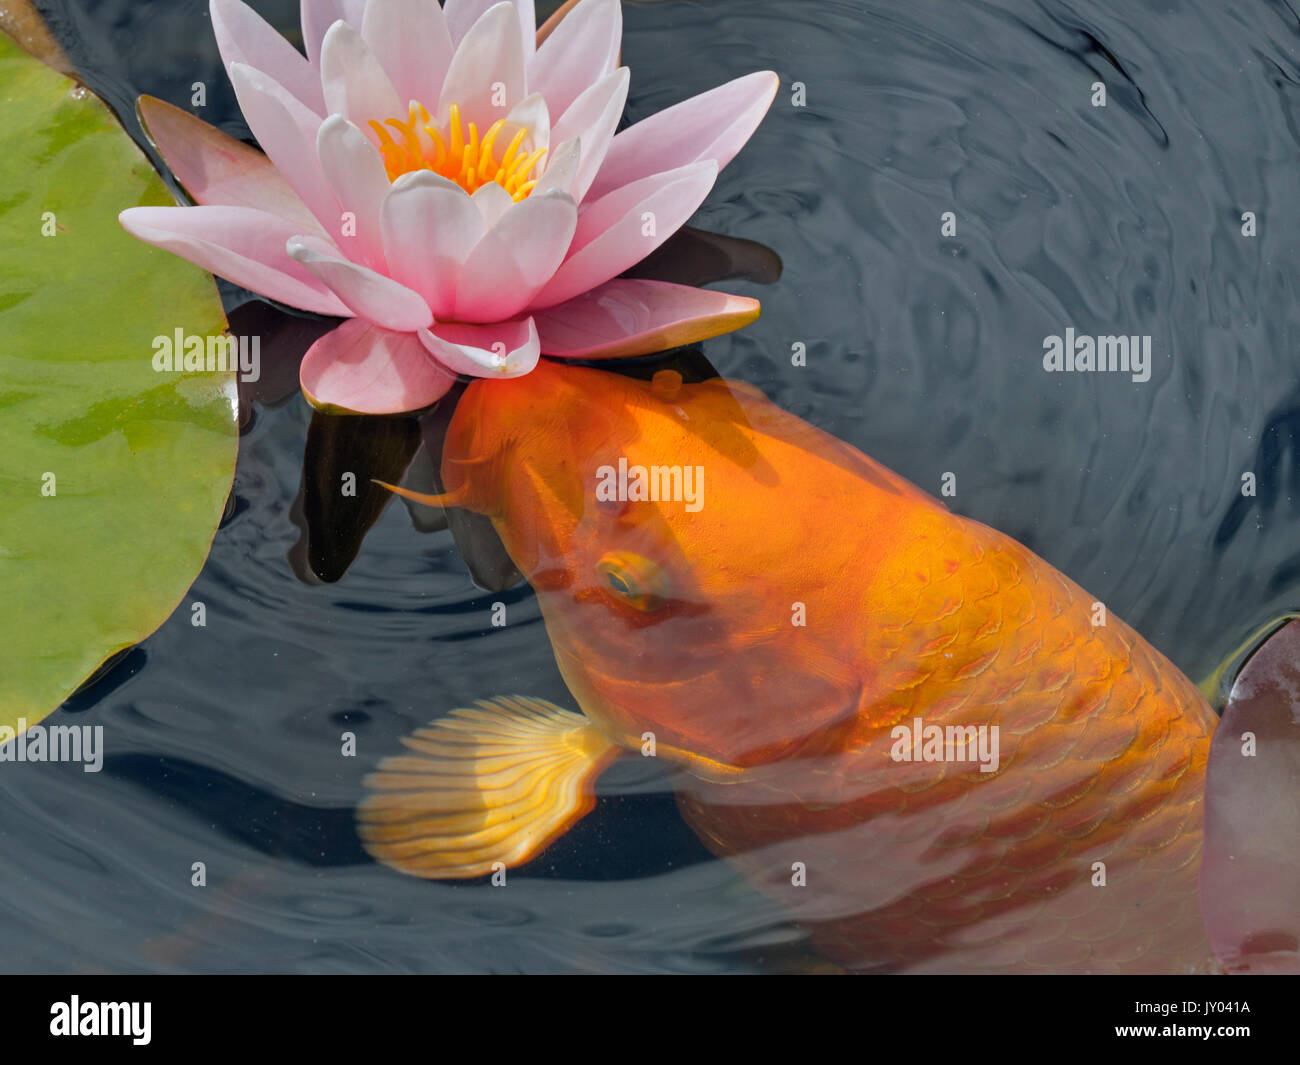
{"type": "Point", "coordinates": [1250, 878]}
{"type": "Point", "coordinates": [113, 474]}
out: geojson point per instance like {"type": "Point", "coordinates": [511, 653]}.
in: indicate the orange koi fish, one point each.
{"type": "Point", "coordinates": [940, 753]}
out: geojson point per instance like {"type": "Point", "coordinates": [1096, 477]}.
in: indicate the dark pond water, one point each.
{"type": "Point", "coordinates": [923, 351]}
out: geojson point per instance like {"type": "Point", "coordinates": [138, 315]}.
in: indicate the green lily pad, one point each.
{"type": "Point", "coordinates": [113, 475]}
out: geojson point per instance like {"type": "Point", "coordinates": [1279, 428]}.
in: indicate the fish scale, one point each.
{"type": "Point", "coordinates": [1103, 752]}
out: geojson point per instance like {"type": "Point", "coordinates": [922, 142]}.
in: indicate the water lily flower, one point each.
{"type": "Point", "coordinates": [450, 181]}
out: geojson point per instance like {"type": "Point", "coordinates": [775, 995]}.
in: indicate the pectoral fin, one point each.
{"type": "Point", "coordinates": [496, 783]}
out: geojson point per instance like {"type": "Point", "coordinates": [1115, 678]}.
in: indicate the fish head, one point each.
{"type": "Point", "coordinates": [701, 608]}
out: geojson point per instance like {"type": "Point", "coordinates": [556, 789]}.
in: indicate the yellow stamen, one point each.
{"type": "Point", "coordinates": [456, 137]}
{"type": "Point", "coordinates": [457, 152]}
{"type": "Point", "coordinates": [439, 147]}
{"type": "Point", "coordinates": [485, 164]}
{"type": "Point", "coordinates": [522, 169]}
{"type": "Point", "coordinates": [470, 165]}
{"type": "Point", "coordinates": [394, 157]}
{"type": "Point", "coordinates": [510, 151]}
{"type": "Point", "coordinates": [410, 139]}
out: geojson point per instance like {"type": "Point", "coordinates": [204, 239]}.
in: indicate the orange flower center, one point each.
{"type": "Point", "coordinates": [461, 157]}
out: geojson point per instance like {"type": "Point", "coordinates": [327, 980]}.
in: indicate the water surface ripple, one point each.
{"type": "Point", "coordinates": [923, 351]}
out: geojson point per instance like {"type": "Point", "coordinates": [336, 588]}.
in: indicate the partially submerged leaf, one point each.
{"type": "Point", "coordinates": [114, 474]}
{"type": "Point", "coordinates": [697, 257]}
{"type": "Point", "coordinates": [1250, 872]}
{"type": "Point", "coordinates": [339, 500]}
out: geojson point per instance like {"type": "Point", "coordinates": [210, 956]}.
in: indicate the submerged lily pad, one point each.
{"type": "Point", "coordinates": [113, 474]}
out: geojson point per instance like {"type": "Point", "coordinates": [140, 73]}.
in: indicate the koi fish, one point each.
{"type": "Point", "coordinates": [937, 751]}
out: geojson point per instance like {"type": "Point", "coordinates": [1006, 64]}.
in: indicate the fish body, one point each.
{"type": "Point", "coordinates": [793, 634]}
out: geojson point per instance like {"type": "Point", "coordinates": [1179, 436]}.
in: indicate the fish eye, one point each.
{"type": "Point", "coordinates": [634, 580]}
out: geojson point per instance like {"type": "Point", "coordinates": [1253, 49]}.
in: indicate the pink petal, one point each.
{"type": "Point", "coordinates": [600, 216]}
{"type": "Point", "coordinates": [286, 129]}
{"type": "Point", "coordinates": [627, 317]}
{"type": "Point", "coordinates": [714, 125]}
{"type": "Point", "coordinates": [532, 114]}
{"type": "Point", "coordinates": [319, 15]}
{"type": "Point", "coordinates": [354, 84]}
{"type": "Point", "coordinates": [491, 54]}
{"type": "Point", "coordinates": [462, 14]}
{"type": "Point", "coordinates": [411, 41]}
{"type": "Point", "coordinates": [1250, 877]}
{"type": "Point", "coordinates": [356, 173]}
{"type": "Point", "coordinates": [492, 202]}
{"type": "Point", "coordinates": [238, 243]}
{"type": "Point", "coordinates": [592, 118]}
{"type": "Point", "coordinates": [561, 169]}
{"type": "Point", "coordinates": [361, 367]}
{"type": "Point", "coordinates": [581, 51]}
{"type": "Point", "coordinates": [501, 349]}
{"type": "Point", "coordinates": [601, 251]}
{"type": "Point", "coordinates": [369, 294]}
{"type": "Point", "coordinates": [516, 258]}
{"type": "Point", "coordinates": [528, 23]}
{"type": "Point", "coordinates": [429, 227]}
{"type": "Point", "coordinates": [218, 170]}
{"type": "Point", "coordinates": [243, 36]}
